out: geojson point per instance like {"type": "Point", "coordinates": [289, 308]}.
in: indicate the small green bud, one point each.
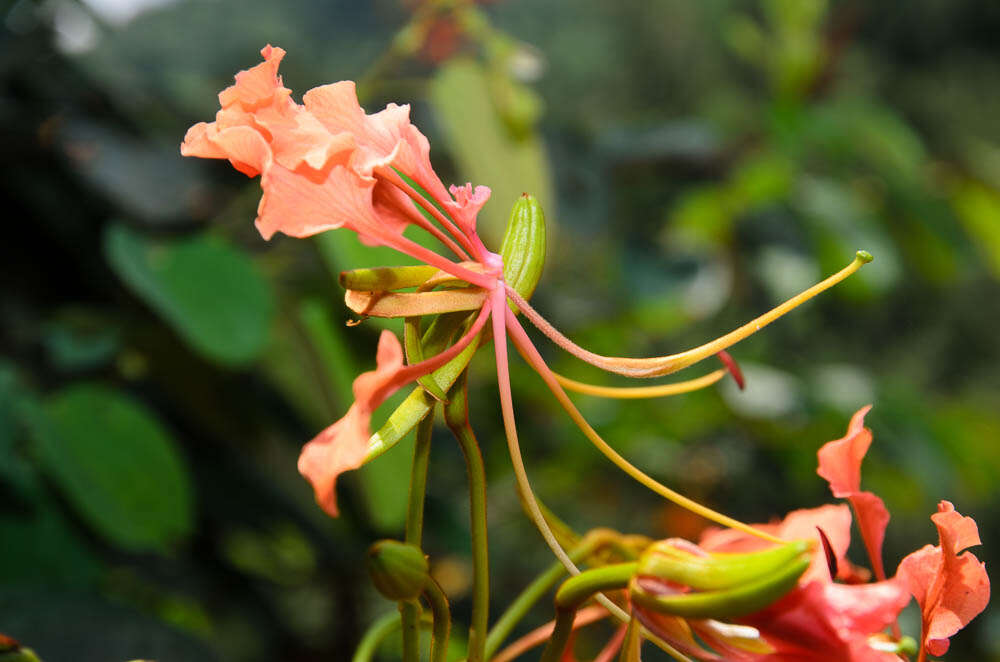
{"type": "Point", "coordinates": [523, 247]}
{"type": "Point", "coordinates": [398, 570]}
{"type": "Point", "coordinates": [681, 562]}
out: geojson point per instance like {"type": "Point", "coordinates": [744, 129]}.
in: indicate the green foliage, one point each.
{"type": "Point", "coordinates": [118, 467]}
{"type": "Point", "coordinates": [212, 294]}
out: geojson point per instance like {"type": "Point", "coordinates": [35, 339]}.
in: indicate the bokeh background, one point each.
{"type": "Point", "coordinates": [699, 161]}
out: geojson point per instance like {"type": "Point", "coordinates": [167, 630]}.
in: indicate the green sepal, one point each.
{"type": "Point", "coordinates": [384, 279]}
{"type": "Point", "coordinates": [523, 246]}
{"type": "Point", "coordinates": [417, 405]}
{"type": "Point", "coordinates": [725, 604]}
{"type": "Point", "coordinates": [413, 343]}
{"type": "Point", "coordinates": [714, 571]}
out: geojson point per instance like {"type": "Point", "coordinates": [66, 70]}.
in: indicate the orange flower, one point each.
{"type": "Point", "coordinates": [840, 464]}
{"type": "Point", "coordinates": [950, 588]}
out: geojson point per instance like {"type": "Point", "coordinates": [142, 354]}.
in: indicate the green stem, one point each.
{"type": "Point", "coordinates": [456, 415]}
{"type": "Point", "coordinates": [574, 592]}
{"type": "Point", "coordinates": [409, 616]}
{"type": "Point", "coordinates": [580, 588]}
{"type": "Point", "coordinates": [410, 610]}
{"type": "Point", "coordinates": [538, 588]}
{"type": "Point", "coordinates": [374, 636]}
{"type": "Point", "coordinates": [442, 621]}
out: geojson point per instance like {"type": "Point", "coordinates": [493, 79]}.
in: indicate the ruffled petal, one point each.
{"type": "Point", "coordinates": [343, 446]}
{"type": "Point", "coordinates": [951, 588]}
{"type": "Point", "coordinates": [840, 460]}
{"type": "Point", "coordinates": [840, 465]}
{"type": "Point", "coordinates": [301, 206]}
{"type": "Point", "coordinates": [339, 448]}
{"type": "Point", "coordinates": [466, 205]}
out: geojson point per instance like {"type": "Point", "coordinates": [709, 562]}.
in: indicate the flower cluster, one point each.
{"type": "Point", "coordinates": [325, 164]}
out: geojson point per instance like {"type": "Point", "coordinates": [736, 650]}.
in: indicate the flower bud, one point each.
{"type": "Point", "coordinates": [676, 577]}
{"type": "Point", "coordinates": [398, 570]}
{"type": "Point", "coordinates": [681, 562]}
{"type": "Point", "coordinates": [523, 247]}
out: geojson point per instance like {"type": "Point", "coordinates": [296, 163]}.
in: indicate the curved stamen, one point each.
{"type": "Point", "coordinates": [640, 392]}
{"type": "Point", "coordinates": [396, 180]}
{"type": "Point", "coordinates": [411, 372]}
{"type": "Point", "coordinates": [421, 221]}
{"type": "Point", "coordinates": [664, 365]}
{"type": "Point", "coordinates": [531, 355]}
{"type": "Point", "coordinates": [499, 303]}
{"type": "Point", "coordinates": [415, 250]}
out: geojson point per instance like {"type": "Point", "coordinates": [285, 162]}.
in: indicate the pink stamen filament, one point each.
{"type": "Point", "coordinates": [421, 221]}
{"type": "Point", "coordinates": [663, 365]}
{"type": "Point", "coordinates": [531, 355]}
{"type": "Point", "coordinates": [395, 179]}
{"type": "Point", "coordinates": [415, 250]}
{"type": "Point", "coordinates": [415, 371]}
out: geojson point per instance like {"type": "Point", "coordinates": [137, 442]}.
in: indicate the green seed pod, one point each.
{"type": "Point", "coordinates": [398, 570]}
{"type": "Point", "coordinates": [733, 602]}
{"type": "Point", "coordinates": [523, 247]}
{"type": "Point", "coordinates": [682, 563]}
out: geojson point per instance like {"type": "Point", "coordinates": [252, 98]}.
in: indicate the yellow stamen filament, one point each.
{"type": "Point", "coordinates": [530, 354]}
{"type": "Point", "coordinates": [664, 365]}
{"type": "Point", "coordinates": [640, 392]}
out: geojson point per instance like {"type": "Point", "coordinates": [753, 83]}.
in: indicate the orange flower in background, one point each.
{"type": "Point", "coordinates": [951, 588]}
{"type": "Point", "coordinates": [840, 464]}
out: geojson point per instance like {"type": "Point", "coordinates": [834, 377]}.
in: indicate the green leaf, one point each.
{"type": "Point", "coordinates": [211, 293]}
{"type": "Point", "coordinates": [978, 207]}
{"type": "Point", "coordinates": [485, 149]}
{"type": "Point", "coordinates": [117, 466]}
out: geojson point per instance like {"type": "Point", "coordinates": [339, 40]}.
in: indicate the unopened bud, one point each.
{"type": "Point", "coordinates": [399, 570]}
{"type": "Point", "coordinates": [678, 578]}
{"type": "Point", "coordinates": [523, 247]}
{"type": "Point", "coordinates": [681, 562]}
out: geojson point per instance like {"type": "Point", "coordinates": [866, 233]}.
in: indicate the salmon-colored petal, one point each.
{"type": "Point", "coordinates": [828, 621]}
{"type": "Point", "coordinates": [956, 531]}
{"type": "Point", "coordinates": [840, 460]}
{"type": "Point", "coordinates": [257, 85]}
{"type": "Point", "coordinates": [840, 464]}
{"type": "Point", "coordinates": [466, 205]}
{"type": "Point", "coordinates": [343, 446]}
{"type": "Point", "coordinates": [300, 206]}
{"type": "Point", "coordinates": [873, 518]}
{"type": "Point", "coordinates": [951, 589]}
{"type": "Point", "coordinates": [339, 448]}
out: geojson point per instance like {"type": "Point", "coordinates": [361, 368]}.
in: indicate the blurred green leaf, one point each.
{"type": "Point", "coordinates": [211, 293]}
{"type": "Point", "coordinates": [41, 549]}
{"type": "Point", "coordinates": [979, 209]}
{"type": "Point", "coordinates": [117, 466]}
{"type": "Point", "coordinates": [484, 148]}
